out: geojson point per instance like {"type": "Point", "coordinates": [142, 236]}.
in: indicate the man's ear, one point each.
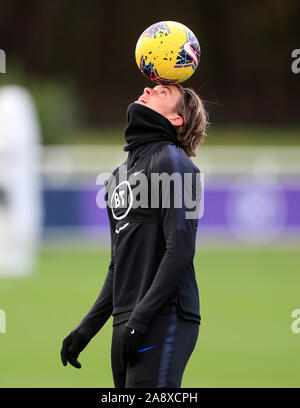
{"type": "Point", "coordinates": [176, 120]}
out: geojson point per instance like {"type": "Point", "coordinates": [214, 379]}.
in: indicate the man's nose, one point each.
{"type": "Point", "coordinates": [148, 91]}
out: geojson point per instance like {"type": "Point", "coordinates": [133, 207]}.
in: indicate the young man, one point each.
{"type": "Point", "coordinates": [150, 288]}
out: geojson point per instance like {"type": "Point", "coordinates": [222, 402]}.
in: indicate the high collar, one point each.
{"type": "Point", "coordinates": [145, 125]}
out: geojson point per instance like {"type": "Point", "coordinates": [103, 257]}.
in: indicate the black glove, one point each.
{"type": "Point", "coordinates": [131, 345]}
{"type": "Point", "coordinates": [71, 347]}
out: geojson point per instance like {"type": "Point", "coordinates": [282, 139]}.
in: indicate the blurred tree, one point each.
{"type": "Point", "coordinates": [245, 64]}
{"type": "Point", "coordinates": [59, 110]}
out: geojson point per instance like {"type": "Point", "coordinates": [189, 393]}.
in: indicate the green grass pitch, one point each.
{"type": "Point", "coordinates": [245, 339]}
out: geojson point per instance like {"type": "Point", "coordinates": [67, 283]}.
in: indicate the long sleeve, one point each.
{"type": "Point", "coordinates": [179, 234]}
{"type": "Point", "coordinates": [103, 306]}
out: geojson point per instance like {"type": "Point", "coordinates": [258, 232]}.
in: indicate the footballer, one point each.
{"type": "Point", "coordinates": [150, 288]}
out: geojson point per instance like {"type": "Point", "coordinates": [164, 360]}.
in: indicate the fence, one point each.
{"type": "Point", "coordinates": [251, 195]}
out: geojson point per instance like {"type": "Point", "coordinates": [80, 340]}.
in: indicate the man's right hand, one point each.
{"type": "Point", "coordinates": [71, 348]}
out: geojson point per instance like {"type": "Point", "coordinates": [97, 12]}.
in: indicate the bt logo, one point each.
{"type": "Point", "coordinates": [121, 194]}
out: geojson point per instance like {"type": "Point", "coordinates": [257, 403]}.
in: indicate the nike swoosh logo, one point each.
{"type": "Point", "coordinates": [189, 50]}
{"type": "Point", "coordinates": [137, 172]}
{"type": "Point", "coordinates": [119, 229]}
{"type": "Point", "coordinates": [132, 331]}
{"type": "Point", "coordinates": [147, 348]}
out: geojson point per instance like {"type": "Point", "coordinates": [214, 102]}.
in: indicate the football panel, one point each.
{"type": "Point", "coordinates": [164, 58]}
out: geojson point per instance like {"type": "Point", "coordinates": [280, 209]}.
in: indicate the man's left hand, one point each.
{"type": "Point", "coordinates": [131, 345]}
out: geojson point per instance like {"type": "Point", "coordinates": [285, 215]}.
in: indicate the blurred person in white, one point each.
{"type": "Point", "coordinates": [20, 199]}
{"type": "Point", "coordinates": [151, 289]}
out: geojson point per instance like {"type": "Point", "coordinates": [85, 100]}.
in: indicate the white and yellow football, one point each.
{"type": "Point", "coordinates": [167, 52]}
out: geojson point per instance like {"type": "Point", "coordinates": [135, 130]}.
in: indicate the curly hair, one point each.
{"type": "Point", "coordinates": [195, 120]}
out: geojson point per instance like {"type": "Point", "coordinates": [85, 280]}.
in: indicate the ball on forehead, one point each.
{"type": "Point", "coordinates": [167, 53]}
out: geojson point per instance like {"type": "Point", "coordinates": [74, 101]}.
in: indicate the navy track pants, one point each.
{"type": "Point", "coordinates": [166, 349]}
